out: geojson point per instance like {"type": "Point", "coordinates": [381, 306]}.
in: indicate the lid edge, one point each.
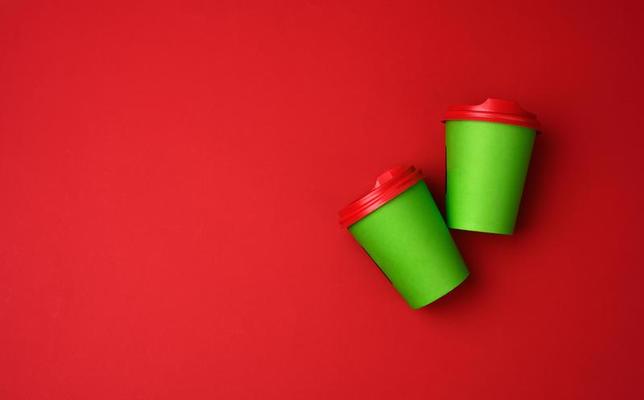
{"type": "Point", "coordinates": [378, 197]}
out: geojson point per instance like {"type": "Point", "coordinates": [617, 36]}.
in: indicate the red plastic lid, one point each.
{"type": "Point", "coordinates": [494, 110]}
{"type": "Point", "coordinates": [388, 185]}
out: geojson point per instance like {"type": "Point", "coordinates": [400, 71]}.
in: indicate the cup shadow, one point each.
{"type": "Point", "coordinates": [544, 157]}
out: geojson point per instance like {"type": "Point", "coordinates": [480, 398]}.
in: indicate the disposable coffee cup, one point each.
{"type": "Point", "coordinates": [400, 227]}
{"type": "Point", "coordinates": [488, 152]}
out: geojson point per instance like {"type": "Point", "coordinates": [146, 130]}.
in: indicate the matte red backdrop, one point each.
{"type": "Point", "coordinates": [170, 174]}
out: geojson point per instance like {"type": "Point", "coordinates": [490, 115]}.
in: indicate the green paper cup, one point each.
{"type": "Point", "coordinates": [488, 152]}
{"type": "Point", "coordinates": [402, 230]}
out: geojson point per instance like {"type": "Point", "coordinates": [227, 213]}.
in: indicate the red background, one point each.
{"type": "Point", "coordinates": [170, 175]}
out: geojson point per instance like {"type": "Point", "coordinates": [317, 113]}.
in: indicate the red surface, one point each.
{"type": "Point", "coordinates": [171, 173]}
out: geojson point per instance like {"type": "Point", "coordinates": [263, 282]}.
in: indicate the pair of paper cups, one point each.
{"type": "Point", "coordinates": [399, 225]}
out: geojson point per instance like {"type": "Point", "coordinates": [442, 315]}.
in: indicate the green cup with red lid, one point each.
{"type": "Point", "coordinates": [399, 225]}
{"type": "Point", "coordinates": [488, 147]}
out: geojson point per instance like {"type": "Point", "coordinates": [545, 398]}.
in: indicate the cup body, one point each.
{"type": "Point", "coordinates": [487, 163]}
{"type": "Point", "coordinates": [408, 239]}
